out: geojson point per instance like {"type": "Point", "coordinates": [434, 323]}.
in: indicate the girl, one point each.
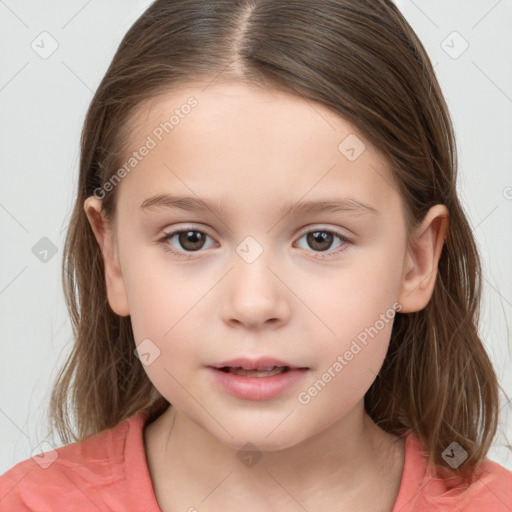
{"type": "Point", "coordinates": [273, 285]}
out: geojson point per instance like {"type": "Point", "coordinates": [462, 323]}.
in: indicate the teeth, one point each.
{"type": "Point", "coordinates": [258, 372]}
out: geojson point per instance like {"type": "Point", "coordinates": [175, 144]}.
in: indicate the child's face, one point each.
{"type": "Point", "coordinates": [257, 285]}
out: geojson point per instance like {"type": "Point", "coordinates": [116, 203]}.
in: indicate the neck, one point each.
{"type": "Point", "coordinates": [343, 459]}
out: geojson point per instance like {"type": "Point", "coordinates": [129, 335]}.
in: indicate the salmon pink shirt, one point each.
{"type": "Point", "coordinates": [108, 472]}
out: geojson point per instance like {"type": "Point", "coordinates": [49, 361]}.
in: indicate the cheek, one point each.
{"type": "Point", "coordinates": [352, 338]}
{"type": "Point", "coordinates": [160, 293]}
{"type": "Point", "coordinates": [347, 367]}
{"type": "Point", "coordinates": [353, 299]}
{"type": "Point", "coordinates": [163, 313]}
{"type": "Point", "coordinates": [168, 309]}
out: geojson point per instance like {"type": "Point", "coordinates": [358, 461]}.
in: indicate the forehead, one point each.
{"type": "Point", "coordinates": [249, 112]}
{"type": "Point", "coordinates": [232, 140]}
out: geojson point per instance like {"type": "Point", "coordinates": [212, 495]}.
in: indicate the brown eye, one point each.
{"type": "Point", "coordinates": [320, 240]}
{"type": "Point", "coordinates": [191, 240]}
{"type": "Point", "coordinates": [188, 241]}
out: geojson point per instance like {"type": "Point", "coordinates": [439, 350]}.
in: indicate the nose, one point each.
{"type": "Point", "coordinates": [255, 296]}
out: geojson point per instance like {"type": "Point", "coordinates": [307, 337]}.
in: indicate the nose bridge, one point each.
{"type": "Point", "coordinates": [252, 273]}
{"type": "Point", "coordinates": [255, 294]}
{"type": "Point", "coordinates": [250, 250]}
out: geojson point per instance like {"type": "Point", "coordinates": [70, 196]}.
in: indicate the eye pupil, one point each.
{"type": "Point", "coordinates": [191, 240]}
{"type": "Point", "coordinates": [324, 238]}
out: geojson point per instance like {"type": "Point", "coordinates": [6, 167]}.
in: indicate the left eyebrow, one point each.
{"type": "Point", "coordinates": [344, 204]}
{"type": "Point", "coordinates": [168, 201]}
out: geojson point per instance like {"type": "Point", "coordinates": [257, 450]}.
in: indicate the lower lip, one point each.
{"type": "Point", "coordinates": [257, 388]}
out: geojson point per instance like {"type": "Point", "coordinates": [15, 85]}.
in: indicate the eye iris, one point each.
{"type": "Point", "coordinates": [320, 237]}
{"type": "Point", "coordinates": [191, 240]}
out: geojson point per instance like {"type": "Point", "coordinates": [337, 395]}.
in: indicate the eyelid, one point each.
{"type": "Point", "coordinates": [346, 240]}
{"type": "Point", "coordinates": [324, 227]}
{"type": "Point", "coordinates": [179, 229]}
{"type": "Point", "coordinates": [307, 229]}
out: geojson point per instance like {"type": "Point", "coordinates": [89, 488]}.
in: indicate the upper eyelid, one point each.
{"type": "Point", "coordinates": [303, 231]}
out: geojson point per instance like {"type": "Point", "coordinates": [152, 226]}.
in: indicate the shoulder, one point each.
{"type": "Point", "coordinates": [79, 473]}
{"type": "Point", "coordinates": [425, 488]}
{"type": "Point", "coordinates": [491, 489]}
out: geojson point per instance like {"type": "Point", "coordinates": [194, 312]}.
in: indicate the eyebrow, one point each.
{"type": "Point", "coordinates": [168, 201]}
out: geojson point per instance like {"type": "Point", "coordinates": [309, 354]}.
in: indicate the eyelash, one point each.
{"type": "Point", "coordinates": [319, 255]}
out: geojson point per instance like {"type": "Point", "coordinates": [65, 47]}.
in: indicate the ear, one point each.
{"type": "Point", "coordinates": [116, 292]}
{"type": "Point", "coordinates": [421, 259]}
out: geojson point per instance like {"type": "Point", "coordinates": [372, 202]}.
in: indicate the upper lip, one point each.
{"type": "Point", "coordinates": [252, 364]}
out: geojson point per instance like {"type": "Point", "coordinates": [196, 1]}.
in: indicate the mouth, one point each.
{"type": "Point", "coordinates": [257, 372]}
{"type": "Point", "coordinates": [261, 379]}
{"type": "Point", "coordinates": [259, 367]}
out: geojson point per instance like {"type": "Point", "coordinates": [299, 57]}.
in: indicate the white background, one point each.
{"type": "Point", "coordinates": [42, 108]}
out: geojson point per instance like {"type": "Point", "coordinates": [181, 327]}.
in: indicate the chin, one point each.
{"type": "Point", "coordinates": [261, 440]}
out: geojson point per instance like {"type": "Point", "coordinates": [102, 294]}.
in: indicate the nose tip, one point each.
{"type": "Point", "coordinates": [255, 295]}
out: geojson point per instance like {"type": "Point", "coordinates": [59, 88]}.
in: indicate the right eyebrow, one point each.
{"type": "Point", "coordinates": [168, 201]}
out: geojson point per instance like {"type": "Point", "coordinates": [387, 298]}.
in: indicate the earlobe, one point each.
{"type": "Point", "coordinates": [116, 291]}
{"type": "Point", "coordinates": [421, 260]}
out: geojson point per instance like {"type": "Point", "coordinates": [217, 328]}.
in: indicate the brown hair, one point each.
{"type": "Point", "coordinates": [363, 61]}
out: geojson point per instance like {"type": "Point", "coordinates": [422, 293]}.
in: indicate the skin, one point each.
{"type": "Point", "coordinates": [258, 149]}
